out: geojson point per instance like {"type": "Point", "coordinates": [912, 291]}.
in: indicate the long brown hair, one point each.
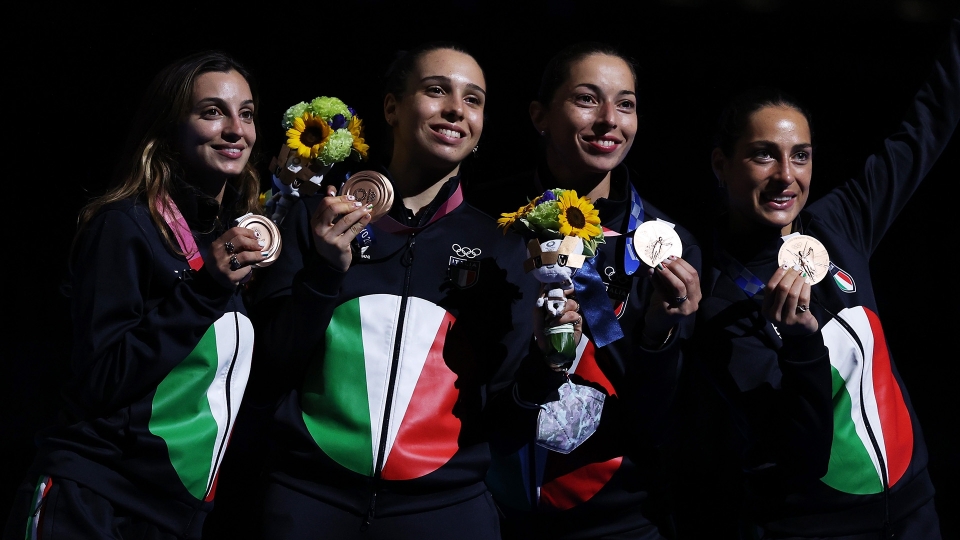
{"type": "Point", "coordinates": [150, 161]}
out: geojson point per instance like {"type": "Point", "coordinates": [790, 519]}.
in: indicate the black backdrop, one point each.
{"type": "Point", "coordinates": [75, 75]}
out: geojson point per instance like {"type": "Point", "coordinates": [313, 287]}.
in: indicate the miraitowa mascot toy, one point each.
{"type": "Point", "coordinates": [562, 232]}
{"type": "Point", "coordinates": [554, 262]}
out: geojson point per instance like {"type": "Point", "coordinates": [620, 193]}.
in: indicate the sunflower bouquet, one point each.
{"type": "Point", "coordinates": [320, 133]}
{"type": "Point", "coordinates": [563, 231]}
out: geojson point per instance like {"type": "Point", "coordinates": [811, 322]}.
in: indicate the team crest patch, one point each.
{"type": "Point", "coordinates": [463, 271]}
{"type": "Point", "coordinates": [843, 280]}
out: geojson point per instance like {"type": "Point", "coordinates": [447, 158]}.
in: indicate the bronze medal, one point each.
{"type": "Point", "coordinates": [807, 254]}
{"type": "Point", "coordinates": [266, 230]}
{"type": "Point", "coordinates": [373, 188]}
{"type": "Point", "coordinates": [654, 241]}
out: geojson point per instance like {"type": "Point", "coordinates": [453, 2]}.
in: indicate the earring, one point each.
{"type": "Point", "coordinates": [543, 133]}
{"type": "Point", "coordinates": [475, 149]}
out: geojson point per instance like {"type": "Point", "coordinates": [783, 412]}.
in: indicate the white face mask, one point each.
{"type": "Point", "coordinates": [565, 424]}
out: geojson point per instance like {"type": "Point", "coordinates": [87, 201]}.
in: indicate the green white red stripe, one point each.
{"type": "Point", "coordinates": [196, 404]}
{"type": "Point", "coordinates": [854, 464]}
{"type": "Point", "coordinates": [344, 399]}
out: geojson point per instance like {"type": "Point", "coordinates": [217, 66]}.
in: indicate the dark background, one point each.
{"type": "Point", "coordinates": [74, 77]}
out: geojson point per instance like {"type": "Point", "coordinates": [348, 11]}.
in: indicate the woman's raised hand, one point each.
{"type": "Point", "coordinates": [786, 303]}
{"type": "Point", "coordinates": [335, 223]}
{"type": "Point", "coordinates": [235, 251]}
{"type": "Point", "coordinates": [676, 294]}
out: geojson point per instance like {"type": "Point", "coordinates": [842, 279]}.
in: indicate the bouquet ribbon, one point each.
{"type": "Point", "coordinates": [595, 305]}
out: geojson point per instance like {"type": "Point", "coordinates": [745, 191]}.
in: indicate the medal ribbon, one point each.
{"type": "Point", "coordinates": [595, 304]}
{"type": "Point", "coordinates": [391, 225]}
{"type": "Point", "coordinates": [631, 262]}
{"type": "Point", "coordinates": [749, 283]}
{"type": "Point", "coordinates": [171, 214]}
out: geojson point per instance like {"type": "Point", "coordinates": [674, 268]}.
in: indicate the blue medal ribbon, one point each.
{"type": "Point", "coordinates": [631, 262]}
{"type": "Point", "coordinates": [594, 303]}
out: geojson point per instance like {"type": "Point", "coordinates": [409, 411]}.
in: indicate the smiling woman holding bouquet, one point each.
{"type": "Point", "coordinates": [388, 329]}
{"type": "Point", "coordinates": [162, 345]}
{"type": "Point", "coordinates": [606, 487]}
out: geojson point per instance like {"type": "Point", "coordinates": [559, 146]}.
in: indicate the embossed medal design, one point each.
{"type": "Point", "coordinates": [370, 187]}
{"type": "Point", "coordinates": [654, 241]}
{"type": "Point", "coordinates": [265, 230]}
{"type": "Point", "coordinates": [807, 254]}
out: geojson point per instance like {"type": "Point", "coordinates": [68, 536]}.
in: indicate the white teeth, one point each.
{"type": "Point", "coordinates": [605, 143]}
{"type": "Point", "coordinates": [450, 133]}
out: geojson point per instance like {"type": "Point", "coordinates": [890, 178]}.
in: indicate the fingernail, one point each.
{"type": "Point", "coordinates": [796, 267]}
{"type": "Point", "coordinates": [785, 267]}
{"type": "Point", "coordinates": [358, 204]}
{"type": "Point", "coordinates": [370, 206]}
{"type": "Point", "coordinates": [265, 254]}
{"type": "Point", "coordinates": [262, 242]}
{"type": "Point", "coordinates": [350, 197]}
{"type": "Point", "coordinates": [659, 267]}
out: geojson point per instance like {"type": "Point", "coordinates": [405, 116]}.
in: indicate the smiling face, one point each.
{"type": "Point", "coordinates": [768, 174]}
{"type": "Point", "coordinates": [590, 123]}
{"type": "Point", "coordinates": [438, 120]}
{"type": "Point", "coordinates": [216, 136]}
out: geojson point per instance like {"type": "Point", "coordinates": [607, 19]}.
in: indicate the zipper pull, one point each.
{"type": "Point", "coordinates": [371, 511]}
{"type": "Point", "coordinates": [407, 258]}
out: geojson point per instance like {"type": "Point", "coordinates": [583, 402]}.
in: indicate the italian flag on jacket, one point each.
{"type": "Point", "coordinates": [873, 433]}
{"type": "Point", "coordinates": [349, 396]}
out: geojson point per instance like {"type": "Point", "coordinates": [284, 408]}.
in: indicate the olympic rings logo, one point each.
{"type": "Point", "coordinates": [463, 251]}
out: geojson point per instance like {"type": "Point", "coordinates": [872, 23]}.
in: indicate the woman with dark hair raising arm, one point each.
{"type": "Point", "coordinates": [821, 423]}
{"type": "Point", "coordinates": [162, 345]}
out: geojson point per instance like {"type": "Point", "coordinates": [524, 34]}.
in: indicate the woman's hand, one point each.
{"type": "Point", "coordinates": [542, 319]}
{"type": "Point", "coordinates": [234, 252]}
{"type": "Point", "coordinates": [786, 303]}
{"type": "Point", "coordinates": [335, 223]}
{"type": "Point", "coordinates": [676, 294]}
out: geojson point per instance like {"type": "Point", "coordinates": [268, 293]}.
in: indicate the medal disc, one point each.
{"type": "Point", "coordinates": [807, 254]}
{"type": "Point", "coordinates": [370, 187]}
{"type": "Point", "coordinates": [266, 230]}
{"type": "Point", "coordinates": [654, 241]}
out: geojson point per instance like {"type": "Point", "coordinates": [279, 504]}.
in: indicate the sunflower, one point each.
{"type": "Point", "coordinates": [507, 219]}
{"type": "Point", "coordinates": [308, 135]}
{"type": "Point", "coordinates": [356, 129]}
{"type": "Point", "coordinates": [578, 217]}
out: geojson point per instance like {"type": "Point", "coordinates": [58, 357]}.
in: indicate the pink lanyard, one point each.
{"type": "Point", "coordinates": [171, 214]}
{"type": "Point", "coordinates": [393, 226]}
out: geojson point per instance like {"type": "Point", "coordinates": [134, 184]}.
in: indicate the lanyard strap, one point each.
{"type": "Point", "coordinates": [171, 214]}
{"type": "Point", "coordinates": [631, 262]}
{"type": "Point", "coordinates": [391, 225]}
{"type": "Point", "coordinates": [735, 270]}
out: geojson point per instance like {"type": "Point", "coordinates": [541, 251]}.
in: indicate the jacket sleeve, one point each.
{"type": "Point", "coordinates": [129, 332]}
{"type": "Point", "coordinates": [784, 434]}
{"type": "Point", "coordinates": [292, 303]}
{"type": "Point", "coordinates": [651, 375]}
{"type": "Point", "coordinates": [869, 204]}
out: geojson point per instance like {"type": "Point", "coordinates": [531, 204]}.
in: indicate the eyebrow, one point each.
{"type": "Point", "coordinates": [447, 80]}
{"type": "Point", "coordinates": [214, 99]}
{"type": "Point", "coordinates": [596, 89]}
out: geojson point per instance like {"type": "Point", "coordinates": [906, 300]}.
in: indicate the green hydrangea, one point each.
{"type": "Point", "coordinates": [293, 112]}
{"type": "Point", "coordinates": [328, 107]}
{"type": "Point", "coordinates": [544, 217]}
{"type": "Point", "coordinates": [337, 148]}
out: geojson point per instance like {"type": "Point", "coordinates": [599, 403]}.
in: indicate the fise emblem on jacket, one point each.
{"type": "Point", "coordinates": [618, 288]}
{"type": "Point", "coordinates": [843, 280]}
{"type": "Point", "coordinates": [463, 270]}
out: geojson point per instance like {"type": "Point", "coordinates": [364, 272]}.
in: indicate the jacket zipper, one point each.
{"type": "Point", "coordinates": [886, 530]}
{"type": "Point", "coordinates": [407, 261]}
{"type": "Point", "coordinates": [223, 441]}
